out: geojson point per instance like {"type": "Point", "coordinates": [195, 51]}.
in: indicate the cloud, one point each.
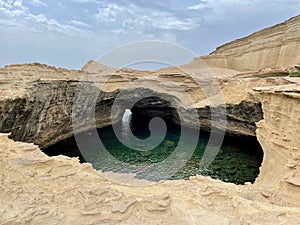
{"type": "Point", "coordinates": [167, 21]}
{"type": "Point", "coordinates": [133, 18]}
{"type": "Point", "coordinates": [61, 5]}
{"type": "Point", "coordinates": [222, 9]}
{"type": "Point", "coordinates": [42, 22]}
{"type": "Point", "coordinates": [94, 26]}
{"type": "Point", "coordinates": [38, 3]}
{"type": "Point", "coordinates": [214, 11]}
{"type": "Point", "coordinates": [198, 6]}
{"type": "Point", "coordinates": [18, 4]}
{"type": "Point", "coordinates": [85, 1]}
{"type": "Point", "coordinates": [79, 23]}
{"type": "Point", "coordinates": [109, 13]}
{"type": "Point", "coordinates": [15, 14]}
{"type": "Point", "coordinates": [12, 9]}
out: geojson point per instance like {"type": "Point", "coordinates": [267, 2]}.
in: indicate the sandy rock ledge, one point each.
{"type": "Point", "coordinates": [261, 99]}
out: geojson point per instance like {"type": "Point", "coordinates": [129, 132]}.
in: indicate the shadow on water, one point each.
{"type": "Point", "coordinates": [238, 160]}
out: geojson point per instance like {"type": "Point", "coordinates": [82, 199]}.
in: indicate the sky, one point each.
{"type": "Point", "coordinates": [70, 33]}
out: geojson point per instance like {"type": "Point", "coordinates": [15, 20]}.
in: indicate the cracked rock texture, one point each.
{"type": "Point", "coordinates": [37, 189]}
{"type": "Point", "coordinates": [37, 101]}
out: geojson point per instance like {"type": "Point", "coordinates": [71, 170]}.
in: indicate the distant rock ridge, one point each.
{"type": "Point", "coordinates": [274, 47]}
{"type": "Point", "coordinates": [93, 66]}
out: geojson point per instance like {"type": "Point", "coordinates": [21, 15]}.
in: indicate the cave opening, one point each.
{"type": "Point", "coordinates": [238, 159]}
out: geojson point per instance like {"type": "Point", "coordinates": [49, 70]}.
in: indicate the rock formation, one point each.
{"type": "Point", "coordinates": [260, 97]}
{"type": "Point", "coordinates": [274, 47]}
{"type": "Point", "coordinates": [278, 134]}
{"type": "Point", "coordinates": [39, 109]}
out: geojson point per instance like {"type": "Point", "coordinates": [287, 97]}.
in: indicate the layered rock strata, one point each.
{"type": "Point", "coordinates": [278, 135]}
{"type": "Point", "coordinates": [39, 110]}
{"type": "Point", "coordinates": [273, 47]}
{"type": "Point", "coordinates": [253, 75]}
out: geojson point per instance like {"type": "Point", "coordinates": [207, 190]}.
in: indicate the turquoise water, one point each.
{"type": "Point", "coordinates": [238, 159]}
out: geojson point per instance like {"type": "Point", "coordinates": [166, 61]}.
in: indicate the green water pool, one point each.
{"type": "Point", "coordinates": [238, 160]}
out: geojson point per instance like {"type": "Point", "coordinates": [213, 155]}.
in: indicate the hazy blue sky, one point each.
{"type": "Point", "coordinates": [69, 33]}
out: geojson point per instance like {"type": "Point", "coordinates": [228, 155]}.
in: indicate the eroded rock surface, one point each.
{"type": "Point", "coordinates": [273, 47]}
{"type": "Point", "coordinates": [37, 189]}
{"type": "Point", "coordinates": [36, 104]}
{"type": "Point", "coordinates": [278, 134]}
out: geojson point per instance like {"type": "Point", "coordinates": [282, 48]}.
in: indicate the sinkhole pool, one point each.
{"type": "Point", "coordinates": [238, 159]}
